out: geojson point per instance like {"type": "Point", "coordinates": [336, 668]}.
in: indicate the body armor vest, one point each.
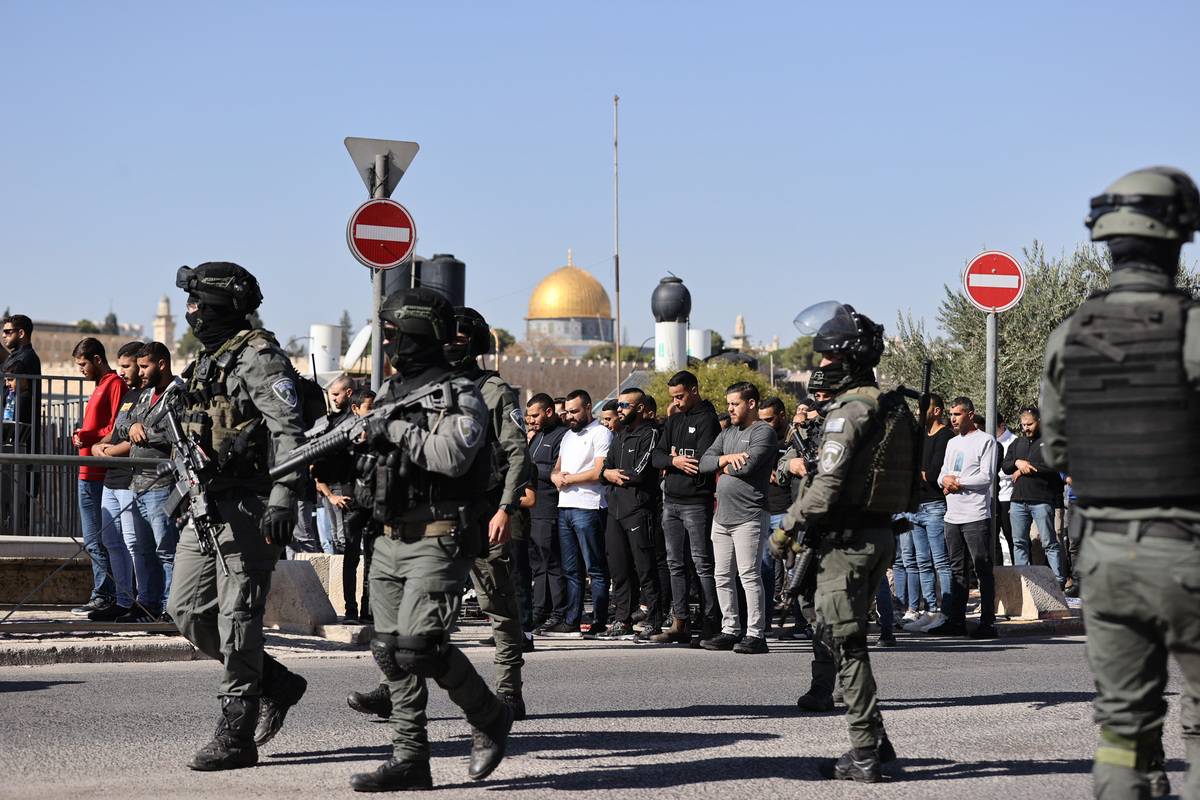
{"type": "Point", "coordinates": [236, 441]}
{"type": "Point", "coordinates": [1121, 356]}
{"type": "Point", "coordinates": [883, 475]}
{"type": "Point", "coordinates": [496, 458]}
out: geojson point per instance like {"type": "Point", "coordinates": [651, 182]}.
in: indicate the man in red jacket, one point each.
{"type": "Point", "coordinates": [112, 566]}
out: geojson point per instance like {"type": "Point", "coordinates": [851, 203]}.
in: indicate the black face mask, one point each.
{"type": "Point", "coordinates": [215, 325]}
{"type": "Point", "coordinates": [459, 355]}
{"type": "Point", "coordinates": [411, 354]}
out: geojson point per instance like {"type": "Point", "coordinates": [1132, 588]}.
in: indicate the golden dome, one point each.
{"type": "Point", "coordinates": [569, 292]}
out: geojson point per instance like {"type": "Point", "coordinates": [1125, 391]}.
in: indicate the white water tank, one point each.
{"type": "Point", "coordinates": [699, 343]}
{"type": "Point", "coordinates": [325, 347]}
{"type": "Point", "coordinates": [670, 346]}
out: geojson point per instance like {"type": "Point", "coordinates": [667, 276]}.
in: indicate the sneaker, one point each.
{"type": "Point", "coordinates": [135, 616]}
{"type": "Point", "coordinates": [909, 618]}
{"type": "Point", "coordinates": [109, 613]}
{"type": "Point", "coordinates": [751, 645]}
{"type": "Point", "coordinates": [947, 628]}
{"type": "Point", "coordinates": [648, 634]}
{"type": "Point", "coordinates": [860, 765]}
{"type": "Point", "coordinates": [95, 604]}
{"type": "Point", "coordinates": [561, 630]}
{"type": "Point", "coordinates": [926, 622]}
{"type": "Point", "coordinates": [722, 641]}
{"type": "Point", "coordinates": [528, 646]}
{"type": "Point", "coordinates": [549, 623]}
{"type": "Point", "coordinates": [885, 640]}
{"type": "Point", "coordinates": [616, 631]}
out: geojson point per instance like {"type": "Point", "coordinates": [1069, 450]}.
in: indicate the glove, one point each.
{"type": "Point", "coordinates": [780, 544]}
{"type": "Point", "coordinates": [277, 524]}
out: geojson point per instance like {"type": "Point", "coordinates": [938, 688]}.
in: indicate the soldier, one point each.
{"type": "Point", "coordinates": [430, 475]}
{"type": "Point", "coordinates": [492, 574]}
{"type": "Point", "coordinates": [866, 473]}
{"type": "Point", "coordinates": [242, 407]}
{"type": "Point", "coordinates": [1138, 484]}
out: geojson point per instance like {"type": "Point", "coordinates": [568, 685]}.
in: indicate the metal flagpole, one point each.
{"type": "Point", "coordinates": [616, 246]}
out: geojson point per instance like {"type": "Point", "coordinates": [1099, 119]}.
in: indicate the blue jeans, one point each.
{"type": "Point", "coordinates": [905, 573]}
{"type": "Point", "coordinates": [883, 605]}
{"type": "Point", "coordinates": [91, 519]}
{"type": "Point", "coordinates": [580, 533]}
{"type": "Point", "coordinates": [152, 504]}
{"type": "Point", "coordinates": [929, 542]}
{"type": "Point", "coordinates": [767, 563]}
{"type": "Point", "coordinates": [113, 538]}
{"type": "Point", "coordinates": [1022, 515]}
{"type": "Point", "coordinates": [139, 541]}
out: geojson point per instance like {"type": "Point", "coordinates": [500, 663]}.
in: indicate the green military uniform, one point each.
{"type": "Point", "coordinates": [1140, 521]}
{"type": "Point", "coordinates": [853, 555]}
{"type": "Point", "coordinates": [493, 575]}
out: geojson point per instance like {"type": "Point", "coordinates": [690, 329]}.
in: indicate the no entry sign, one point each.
{"type": "Point", "coordinates": [993, 281]}
{"type": "Point", "coordinates": [381, 234]}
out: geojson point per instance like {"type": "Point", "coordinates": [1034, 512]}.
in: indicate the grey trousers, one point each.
{"type": "Point", "coordinates": [735, 552]}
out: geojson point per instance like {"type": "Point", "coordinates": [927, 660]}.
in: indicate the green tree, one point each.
{"type": "Point", "coordinates": [110, 324]}
{"type": "Point", "coordinates": [87, 326]}
{"type": "Point", "coordinates": [1054, 287]}
{"type": "Point", "coordinates": [604, 352]}
{"type": "Point", "coordinates": [507, 340]}
{"type": "Point", "coordinates": [798, 355]}
{"type": "Point", "coordinates": [188, 345]}
{"type": "Point", "coordinates": [346, 324]}
{"type": "Point", "coordinates": [716, 341]}
{"type": "Point", "coordinates": [714, 378]}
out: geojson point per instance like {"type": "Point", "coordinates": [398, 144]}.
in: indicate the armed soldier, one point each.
{"type": "Point", "coordinates": [866, 472]}
{"type": "Point", "coordinates": [430, 472]}
{"type": "Point", "coordinates": [508, 461]}
{"type": "Point", "coordinates": [241, 408]}
{"type": "Point", "coordinates": [1138, 484]}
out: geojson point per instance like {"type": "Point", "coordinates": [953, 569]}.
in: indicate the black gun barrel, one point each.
{"type": "Point", "coordinates": [333, 442]}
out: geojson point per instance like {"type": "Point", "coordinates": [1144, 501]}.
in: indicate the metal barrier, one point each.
{"type": "Point", "coordinates": [39, 414]}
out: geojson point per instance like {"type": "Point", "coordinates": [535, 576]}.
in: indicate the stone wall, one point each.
{"type": "Point", "coordinates": [558, 376]}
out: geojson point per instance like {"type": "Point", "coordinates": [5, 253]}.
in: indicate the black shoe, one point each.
{"type": "Point", "coordinates": [528, 646]}
{"type": "Point", "coordinates": [232, 746]}
{"type": "Point", "coordinates": [947, 629]}
{"type": "Point", "coordinates": [95, 604]}
{"type": "Point", "coordinates": [352, 619]}
{"type": "Point", "coordinates": [860, 765]}
{"type": "Point", "coordinates": [722, 641]}
{"type": "Point", "coordinates": [378, 701]}
{"type": "Point", "coordinates": [984, 632]}
{"type": "Point", "coordinates": [135, 616]}
{"type": "Point", "coordinates": [109, 613]}
{"type": "Point", "coordinates": [487, 745]}
{"type": "Point", "coordinates": [647, 634]}
{"type": "Point", "coordinates": [638, 616]}
{"type": "Point", "coordinates": [815, 701]}
{"type": "Point", "coordinates": [283, 693]}
{"type": "Point", "coordinates": [751, 645]}
{"type": "Point", "coordinates": [514, 701]}
{"type": "Point", "coordinates": [560, 630]}
{"type": "Point", "coordinates": [616, 631]}
{"type": "Point", "coordinates": [393, 775]}
{"type": "Point", "coordinates": [488, 642]}
{"type": "Point", "coordinates": [1073, 591]}
{"type": "Point", "coordinates": [885, 640]}
{"type": "Point", "coordinates": [883, 747]}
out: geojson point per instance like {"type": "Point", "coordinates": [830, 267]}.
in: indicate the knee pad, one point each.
{"type": "Point", "coordinates": [424, 656]}
{"type": "Point", "coordinates": [383, 650]}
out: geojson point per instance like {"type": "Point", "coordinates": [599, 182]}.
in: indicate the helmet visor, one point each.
{"type": "Point", "coordinates": [829, 318]}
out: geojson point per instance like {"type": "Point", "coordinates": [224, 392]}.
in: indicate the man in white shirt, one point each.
{"type": "Point", "coordinates": [580, 500]}
{"type": "Point", "coordinates": [966, 478]}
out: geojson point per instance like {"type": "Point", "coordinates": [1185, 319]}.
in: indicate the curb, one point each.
{"type": "Point", "coordinates": [32, 655]}
{"type": "Point", "coordinates": [1069, 626]}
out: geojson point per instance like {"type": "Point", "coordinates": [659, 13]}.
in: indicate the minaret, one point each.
{"type": "Point", "coordinates": [164, 324]}
{"type": "Point", "coordinates": [739, 342]}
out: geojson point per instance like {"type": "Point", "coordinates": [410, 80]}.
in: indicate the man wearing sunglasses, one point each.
{"type": "Point", "coordinates": [20, 402]}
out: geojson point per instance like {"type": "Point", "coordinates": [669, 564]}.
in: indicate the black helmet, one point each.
{"type": "Point", "coordinates": [838, 328]}
{"type": "Point", "coordinates": [479, 335]}
{"type": "Point", "coordinates": [419, 311]}
{"type": "Point", "coordinates": [221, 283]}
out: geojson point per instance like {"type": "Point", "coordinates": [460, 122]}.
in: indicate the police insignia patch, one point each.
{"type": "Point", "coordinates": [831, 455]}
{"type": "Point", "coordinates": [518, 418]}
{"type": "Point", "coordinates": [285, 390]}
{"type": "Point", "coordinates": [835, 425]}
{"type": "Point", "coordinates": [468, 430]}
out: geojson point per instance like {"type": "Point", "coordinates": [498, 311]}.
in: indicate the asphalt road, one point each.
{"type": "Point", "coordinates": [1003, 719]}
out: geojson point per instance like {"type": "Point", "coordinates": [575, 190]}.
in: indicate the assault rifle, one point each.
{"type": "Point", "coordinates": [188, 461]}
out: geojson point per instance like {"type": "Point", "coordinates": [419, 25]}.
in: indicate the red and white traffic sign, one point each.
{"type": "Point", "coordinates": [993, 281]}
{"type": "Point", "coordinates": [381, 234]}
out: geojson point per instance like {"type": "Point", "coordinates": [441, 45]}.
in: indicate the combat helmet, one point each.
{"type": "Point", "coordinates": [221, 283]}
{"type": "Point", "coordinates": [419, 311]}
{"type": "Point", "coordinates": [1155, 202]}
{"type": "Point", "coordinates": [470, 322]}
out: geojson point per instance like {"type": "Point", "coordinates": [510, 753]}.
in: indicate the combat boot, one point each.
{"type": "Point", "coordinates": [859, 764]}
{"type": "Point", "coordinates": [514, 701]}
{"type": "Point", "coordinates": [232, 746]}
{"type": "Point", "coordinates": [378, 701]}
{"type": "Point", "coordinates": [487, 744]}
{"type": "Point", "coordinates": [815, 700]}
{"type": "Point", "coordinates": [394, 775]}
{"type": "Point", "coordinates": [283, 691]}
{"type": "Point", "coordinates": [679, 633]}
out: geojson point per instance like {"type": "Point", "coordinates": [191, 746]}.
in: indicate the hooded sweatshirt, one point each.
{"type": "Point", "coordinates": [692, 433]}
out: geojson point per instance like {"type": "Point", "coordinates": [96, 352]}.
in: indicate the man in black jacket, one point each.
{"type": "Point", "coordinates": [688, 504]}
{"type": "Point", "coordinates": [632, 503]}
{"type": "Point", "coordinates": [545, 562]}
{"type": "Point", "coordinates": [1037, 490]}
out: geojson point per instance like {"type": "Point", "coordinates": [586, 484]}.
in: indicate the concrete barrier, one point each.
{"type": "Point", "coordinates": [1029, 593]}
{"type": "Point", "coordinates": [329, 571]}
{"type": "Point", "coordinates": [70, 586]}
{"type": "Point", "coordinates": [297, 602]}
{"type": "Point", "coordinates": [39, 547]}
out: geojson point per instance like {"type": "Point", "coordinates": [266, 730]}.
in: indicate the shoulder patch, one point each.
{"type": "Point", "coordinates": [831, 455]}
{"type": "Point", "coordinates": [285, 390]}
{"type": "Point", "coordinates": [518, 419]}
{"type": "Point", "coordinates": [835, 425]}
{"type": "Point", "coordinates": [468, 430]}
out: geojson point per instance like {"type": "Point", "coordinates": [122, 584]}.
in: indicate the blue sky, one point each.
{"type": "Point", "coordinates": [772, 155]}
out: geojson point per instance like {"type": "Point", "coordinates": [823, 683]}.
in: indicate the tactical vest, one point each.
{"type": "Point", "coordinates": [1132, 422]}
{"type": "Point", "coordinates": [496, 457]}
{"type": "Point", "coordinates": [884, 473]}
{"type": "Point", "coordinates": [237, 442]}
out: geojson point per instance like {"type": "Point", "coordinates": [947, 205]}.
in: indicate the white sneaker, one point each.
{"type": "Point", "coordinates": [909, 618]}
{"type": "Point", "coordinates": [928, 621]}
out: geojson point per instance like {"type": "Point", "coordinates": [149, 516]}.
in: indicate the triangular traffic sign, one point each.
{"type": "Point", "coordinates": [363, 152]}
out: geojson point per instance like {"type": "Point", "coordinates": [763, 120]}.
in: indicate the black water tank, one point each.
{"type": "Point", "coordinates": [671, 301]}
{"type": "Point", "coordinates": [443, 273]}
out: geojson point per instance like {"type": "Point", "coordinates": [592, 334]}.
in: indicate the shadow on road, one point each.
{"type": "Point", "coordinates": [1036, 700]}
{"type": "Point", "coordinates": [709, 711]}
{"type": "Point", "coordinates": [31, 686]}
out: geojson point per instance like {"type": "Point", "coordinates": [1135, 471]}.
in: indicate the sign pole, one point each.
{"type": "Point", "coordinates": [378, 190]}
{"type": "Point", "coordinates": [990, 374]}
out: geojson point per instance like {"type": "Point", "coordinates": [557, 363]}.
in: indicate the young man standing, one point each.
{"type": "Point", "coordinates": [1036, 490]}
{"type": "Point", "coordinates": [549, 586]}
{"type": "Point", "coordinates": [966, 478]}
{"type": "Point", "coordinates": [580, 502]}
{"type": "Point", "coordinates": [743, 455]}
{"type": "Point", "coordinates": [112, 567]}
